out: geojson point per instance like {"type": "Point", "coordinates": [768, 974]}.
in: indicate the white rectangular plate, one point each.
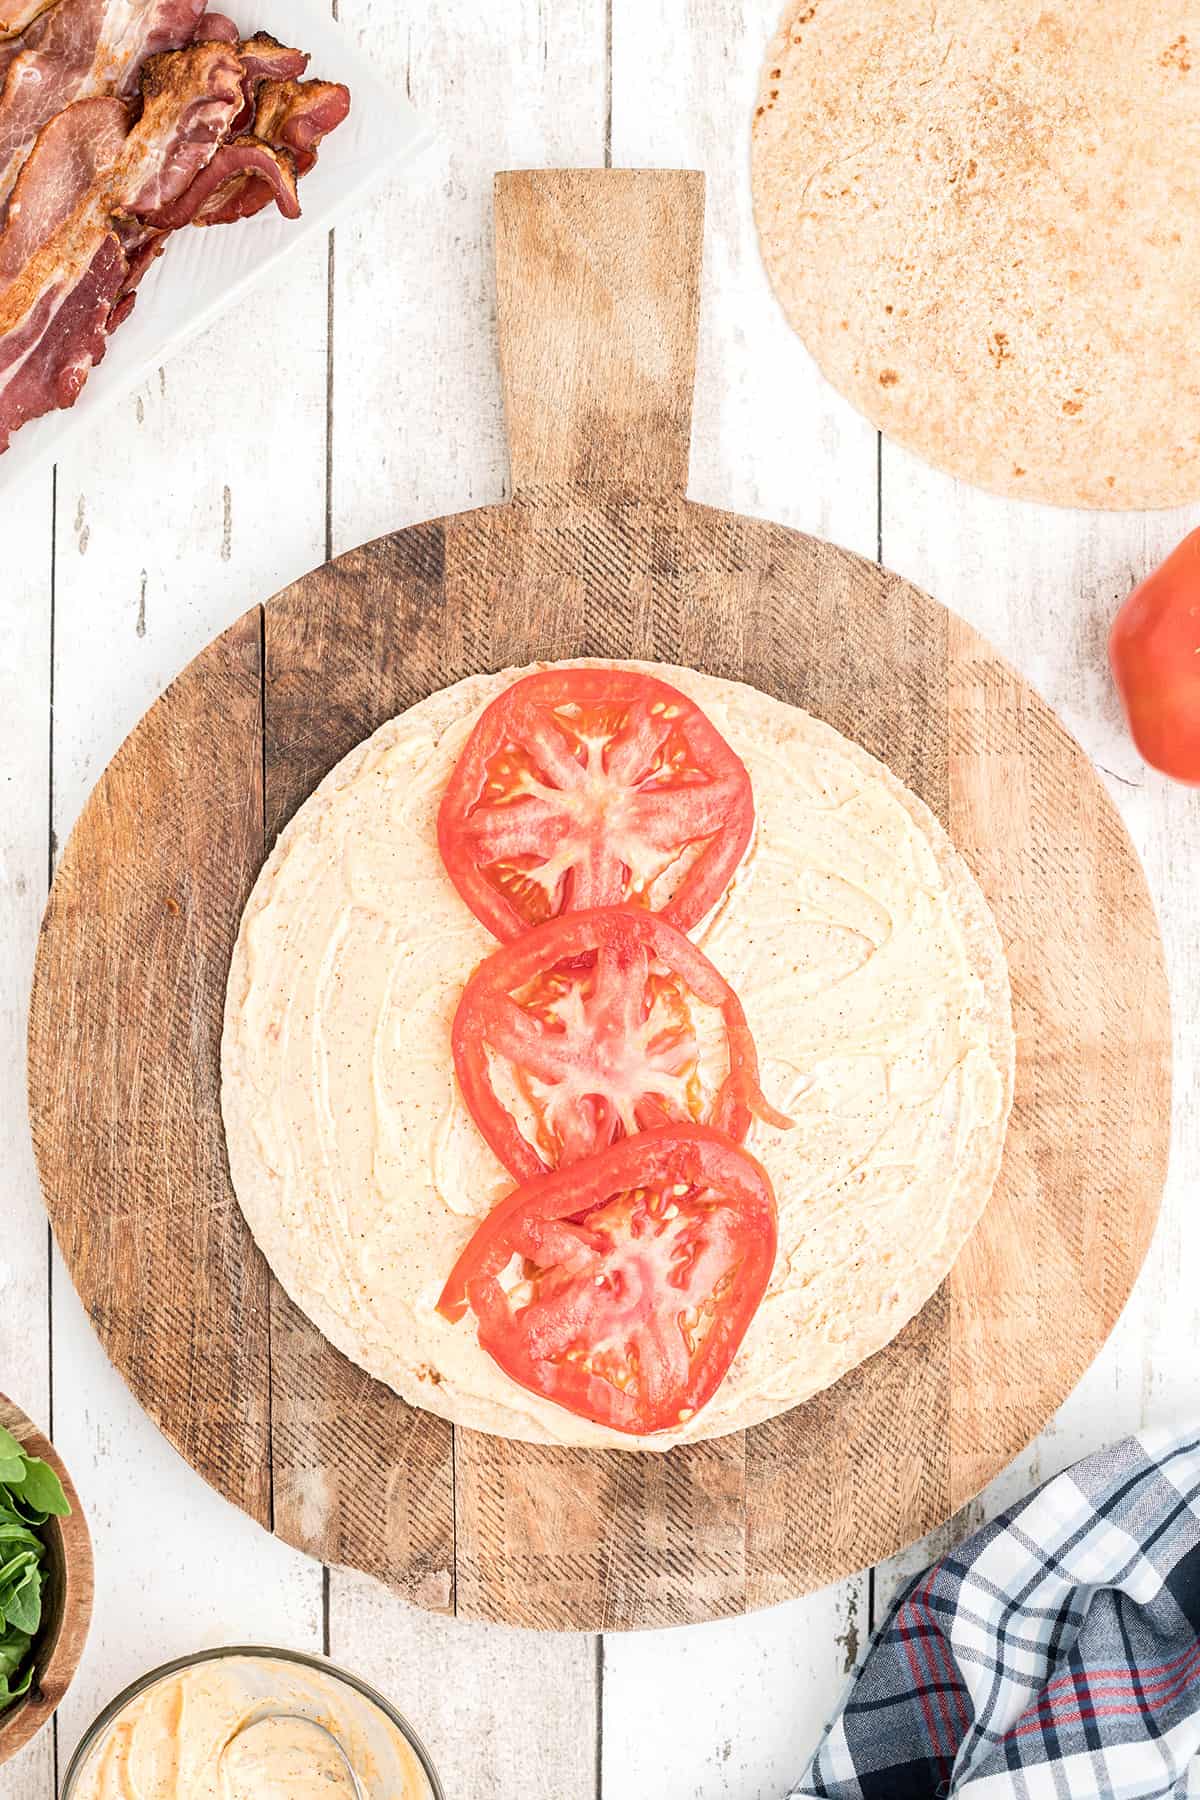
{"type": "Point", "coordinates": [205, 271]}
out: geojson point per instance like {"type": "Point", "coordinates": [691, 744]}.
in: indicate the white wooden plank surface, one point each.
{"type": "Point", "coordinates": [210, 489]}
{"type": "Point", "coordinates": [502, 1713]}
{"type": "Point", "coordinates": [728, 1711]}
{"type": "Point", "coordinates": [25, 578]}
{"type": "Point", "coordinates": [417, 416]}
{"type": "Point", "coordinates": [769, 437]}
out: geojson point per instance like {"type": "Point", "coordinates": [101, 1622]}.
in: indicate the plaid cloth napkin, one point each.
{"type": "Point", "coordinates": [1054, 1655]}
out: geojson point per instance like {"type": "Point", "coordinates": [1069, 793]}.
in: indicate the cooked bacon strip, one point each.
{"type": "Point", "coordinates": [267, 59]}
{"type": "Point", "coordinates": [106, 183]}
{"type": "Point", "coordinates": [90, 171]}
{"type": "Point", "coordinates": [215, 28]}
{"type": "Point", "coordinates": [73, 152]}
{"type": "Point", "coordinates": [143, 247]}
{"type": "Point", "coordinates": [57, 263]}
{"type": "Point", "coordinates": [292, 117]}
{"type": "Point", "coordinates": [271, 168]}
{"type": "Point", "coordinates": [17, 16]}
{"type": "Point", "coordinates": [189, 102]}
{"type": "Point", "coordinates": [76, 49]}
{"type": "Point", "coordinates": [164, 25]}
{"type": "Point", "coordinates": [46, 71]}
{"type": "Point", "coordinates": [88, 178]}
{"type": "Point", "coordinates": [296, 115]}
{"type": "Point", "coordinates": [46, 367]}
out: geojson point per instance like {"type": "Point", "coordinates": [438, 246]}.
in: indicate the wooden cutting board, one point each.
{"type": "Point", "coordinates": [600, 554]}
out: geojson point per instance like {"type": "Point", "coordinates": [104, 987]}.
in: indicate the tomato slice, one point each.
{"type": "Point", "coordinates": [588, 787]}
{"type": "Point", "coordinates": [621, 1288]}
{"type": "Point", "coordinates": [596, 1026]}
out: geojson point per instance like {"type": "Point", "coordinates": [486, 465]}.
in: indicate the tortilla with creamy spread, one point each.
{"type": "Point", "coordinates": [981, 217]}
{"type": "Point", "coordinates": [872, 975]}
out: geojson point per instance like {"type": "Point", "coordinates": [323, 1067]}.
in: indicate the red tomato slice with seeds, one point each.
{"type": "Point", "coordinates": [594, 1027]}
{"type": "Point", "coordinates": [589, 787]}
{"type": "Point", "coordinates": [621, 1288]}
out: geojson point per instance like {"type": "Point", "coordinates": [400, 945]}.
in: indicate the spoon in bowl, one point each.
{"type": "Point", "coordinates": [283, 1751]}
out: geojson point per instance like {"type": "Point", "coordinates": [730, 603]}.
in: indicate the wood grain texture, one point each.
{"type": "Point", "coordinates": [598, 289]}
{"type": "Point", "coordinates": [342, 1443]}
{"type": "Point", "coordinates": [67, 1611]}
{"type": "Point", "coordinates": [541, 1537]}
{"type": "Point", "coordinates": [126, 1108]}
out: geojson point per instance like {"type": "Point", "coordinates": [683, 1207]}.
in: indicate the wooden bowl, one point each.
{"type": "Point", "coordinates": [59, 1644]}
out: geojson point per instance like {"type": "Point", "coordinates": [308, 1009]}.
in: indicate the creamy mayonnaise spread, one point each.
{"type": "Point", "coordinates": [872, 975]}
{"type": "Point", "coordinates": [214, 1731]}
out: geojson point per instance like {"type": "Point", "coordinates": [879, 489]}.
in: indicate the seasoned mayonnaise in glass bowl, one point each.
{"type": "Point", "coordinates": [244, 1724]}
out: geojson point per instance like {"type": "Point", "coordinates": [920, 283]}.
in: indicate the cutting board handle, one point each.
{"type": "Point", "coordinates": [598, 286]}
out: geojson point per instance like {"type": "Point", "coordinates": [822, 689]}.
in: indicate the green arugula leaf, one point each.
{"type": "Point", "coordinates": [13, 1531]}
{"type": "Point", "coordinates": [23, 1607]}
{"type": "Point", "coordinates": [10, 1691]}
{"type": "Point", "coordinates": [28, 1515]}
{"type": "Point", "coordinates": [14, 1648]}
{"type": "Point", "coordinates": [11, 1515]}
{"type": "Point", "coordinates": [12, 1461]}
{"type": "Point", "coordinates": [14, 1569]}
{"type": "Point", "coordinates": [30, 1494]}
{"type": "Point", "coordinates": [41, 1489]}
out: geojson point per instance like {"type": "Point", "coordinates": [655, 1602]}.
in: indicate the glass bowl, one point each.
{"type": "Point", "coordinates": [99, 1726]}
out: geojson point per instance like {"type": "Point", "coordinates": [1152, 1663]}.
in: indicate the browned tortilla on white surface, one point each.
{"type": "Point", "coordinates": [983, 218]}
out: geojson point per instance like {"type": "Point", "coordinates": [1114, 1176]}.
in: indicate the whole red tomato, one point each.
{"type": "Point", "coordinates": [1155, 654]}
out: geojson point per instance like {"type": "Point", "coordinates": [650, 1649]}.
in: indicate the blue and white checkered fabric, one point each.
{"type": "Point", "coordinates": [1054, 1655]}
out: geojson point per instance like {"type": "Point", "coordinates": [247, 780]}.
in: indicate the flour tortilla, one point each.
{"type": "Point", "coordinates": [983, 218]}
{"type": "Point", "coordinates": [872, 975]}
